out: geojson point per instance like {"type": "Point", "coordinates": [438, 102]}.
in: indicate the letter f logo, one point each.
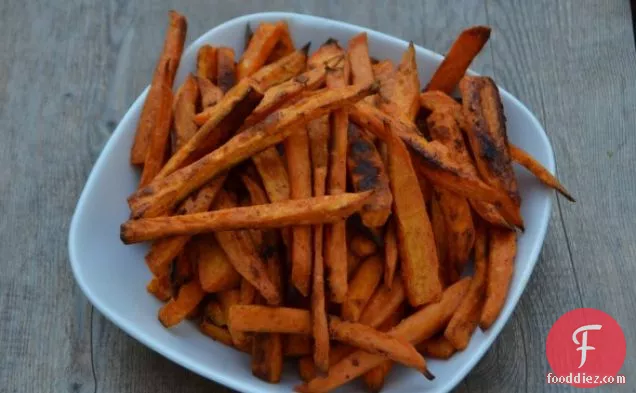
{"type": "Point", "coordinates": [583, 344]}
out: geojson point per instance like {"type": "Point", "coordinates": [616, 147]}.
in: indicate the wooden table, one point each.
{"type": "Point", "coordinates": [70, 69]}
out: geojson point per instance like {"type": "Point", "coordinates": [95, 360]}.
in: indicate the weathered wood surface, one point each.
{"type": "Point", "coordinates": [71, 68]}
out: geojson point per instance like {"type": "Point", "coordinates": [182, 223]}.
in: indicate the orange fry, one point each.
{"type": "Point", "coordinates": [185, 107]}
{"type": "Point", "coordinates": [465, 48]}
{"type": "Point", "coordinates": [384, 302]}
{"type": "Point", "coordinates": [501, 257]}
{"type": "Point", "coordinates": [538, 170]}
{"type": "Point", "coordinates": [226, 68]}
{"type": "Point", "coordinates": [260, 46]}
{"type": "Point", "coordinates": [390, 253]}
{"type": "Point", "coordinates": [284, 46]}
{"type": "Point", "coordinates": [159, 137]}
{"type": "Point", "coordinates": [361, 287]}
{"type": "Point", "coordinates": [176, 310]}
{"type": "Point", "coordinates": [206, 63]}
{"type": "Point", "coordinates": [165, 71]}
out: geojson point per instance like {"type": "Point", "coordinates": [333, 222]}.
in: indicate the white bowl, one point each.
{"type": "Point", "coordinates": [114, 276]}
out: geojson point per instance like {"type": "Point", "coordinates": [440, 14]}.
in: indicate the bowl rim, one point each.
{"type": "Point", "coordinates": [242, 384]}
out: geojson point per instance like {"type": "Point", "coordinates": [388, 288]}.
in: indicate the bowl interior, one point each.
{"type": "Point", "coordinates": [113, 276]}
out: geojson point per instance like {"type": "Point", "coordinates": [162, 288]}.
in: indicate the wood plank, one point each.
{"type": "Point", "coordinates": [568, 61]}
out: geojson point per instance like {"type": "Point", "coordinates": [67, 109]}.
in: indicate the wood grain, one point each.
{"type": "Point", "coordinates": [70, 70]}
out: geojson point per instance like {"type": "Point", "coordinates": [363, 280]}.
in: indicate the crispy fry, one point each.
{"type": "Point", "coordinates": [216, 273]}
{"type": "Point", "coordinates": [486, 130]}
{"type": "Point", "coordinates": [318, 133]}
{"type": "Point", "coordinates": [216, 333]}
{"type": "Point", "coordinates": [207, 63]}
{"type": "Point", "coordinates": [438, 101]}
{"type": "Point", "coordinates": [464, 321]}
{"type": "Point", "coordinates": [163, 251]}
{"type": "Point", "coordinates": [367, 172]}
{"type": "Point", "coordinates": [284, 46]}
{"type": "Point", "coordinates": [384, 303]}
{"type": "Point", "coordinates": [271, 168]}
{"type": "Point", "coordinates": [437, 347]}
{"type": "Point", "coordinates": [335, 234]}
{"type": "Point", "coordinates": [433, 160]}
{"type": "Point", "coordinates": [465, 48]}
{"type": "Point", "coordinates": [441, 245]}
{"type": "Point", "coordinates": [210, 118]}
{"type": "Point", "coordinates": [359, 61]}
{"type": "Point", "coordinates": [280, 71]}
{"type": "Point", "coordinates": [299, 166]}
{"type": "Point", "coordinates": [374, 341]}
{"type": "Point", "coordinates": [418, 253]}
{"type": "Point", "coordinates": [362, 247]}
{"type": "Point", "coordinates": [160, 288]}
{"type": "Point", "coordinates": [318, 210]}
{"type": "Point", "coordinates": [539, 171]}
{"type": "Point", "coordinates": [158, 137]}
{"type": "Point", "coordinates": [297, 345]}
{"type": "Point", "coordinates": [210, 93]}
{"type": "Point", "coordinates": [278, 95]}
{"type": "Point", "coordinates": [402, 89]}
{"type": "Point", "coordinates": [258, 50]}
{"type": "Point", "coordinates": [165, 70]}
{"type": "Point", "coordinates": [188, 298]}
{"type": "Point", "coordinates": [390, 253]}
{"type": "Point", "coordinates": [226, 68]}
{"type": "Point", "coordinates": [361, 287]}
{"type": "Point", "coordinates": [227, 299]}
{"type": "Point", "coordinates": [267, 357]}
{"type": "Point", "coordinates": [164, 193]}
{"type": "Point", "coordinates": [242, 253]}
{"type": "Point", "coordinates": [502, 251]}
{"type": "Point", "coordinates": [184, 125]}
{"type": "Point", "coordinates": [416, 328]}
{"type": "Point", "coordinates": [265, 319]}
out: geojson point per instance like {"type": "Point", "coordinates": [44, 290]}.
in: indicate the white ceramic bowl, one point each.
{"type": "Point", "coordinates": [114, 276]}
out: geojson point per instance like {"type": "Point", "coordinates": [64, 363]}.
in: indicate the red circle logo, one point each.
{"type": "Point", "coordinates": [585, 348]}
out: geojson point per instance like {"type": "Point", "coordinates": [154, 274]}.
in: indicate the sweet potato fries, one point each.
{"type": "Point", "coordinates": [319, 207]}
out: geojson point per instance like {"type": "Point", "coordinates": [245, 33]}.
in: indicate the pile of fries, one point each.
{"type": "Point", "coordinates": [321, 207]}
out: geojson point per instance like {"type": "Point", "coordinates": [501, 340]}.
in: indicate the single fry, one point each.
{"type": "Point", "coordinates": [299, 167]}
{"type": "Point", "coordinates": [176, 310]}
{"type": "Point", "coordinates": [226, 68]}
{"type": "Point", "coordinates": [158, 137]}
{"type": "Point", "coordinates": [160, 288]}
{"type": "Point", "coordinates": [260, 46]}
{"type": "Point", "coordinates": [403, 88]}
{"type": "Point", "coordinates": [280, 71]}
{"type": "Point", "coordinates": [374, 378]}
{"type": "Point", "coordinates": [437, 347]}
{"type": "Point", "coordinates": [361, 287]}
{"type": "Point", "coordinates": [384, 303]}
{"type": "Point", "coordinates": [359, 61]}
{"type": "Point", "coordinates": [502, 251]}
{"type": "Point", "coordinates": [367, 172]}
{"type": "Point", "coordinates": [216, 333]}
{"type": "Point", "coordinates": [464, 322]}
{"type": "Point", "coordinates": [163, 194]}
{"type": "Point", "coordinates": [227, 299]}
{"type": "Point", "coordinates": [163, 251]}
{"type": "Point", "coordinates": [374, 341]}
{"type": "Point", "coordinates": [362, 246]}
{"type": "Point", "coordinates": [416, 328]}
{"type": "Point", "coordinates": [210, 93]}
{"type": "Point", "coordinates": [284, 46]}
{"type": "Point", "coordinates": [418, 253]}
{"type": "Point", "coordinates": [486, 131]}
{"type": "Point", "coordinates": [263, 319]}
{"type": "Point", "coordinates": [207, 63]}
{"type": "Point", "coordinates": [465, 48]}
{"type": "Point", "coordinates": [438, 224]}
{"type": "Point", "coordinates": [185, 108]}
{"type": "Point", "coordinates": [216, 273]}
{"type": "Point", "coordinates": [538, 170]}
{"type": "Point", "coordinates": [242, 253]}
{"type": "Point", "coordinates": [165, 71]}
{"type": "Point", "coordinates": [335, 234]}
{"type": "Point", "coordinates": [390, 253]}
